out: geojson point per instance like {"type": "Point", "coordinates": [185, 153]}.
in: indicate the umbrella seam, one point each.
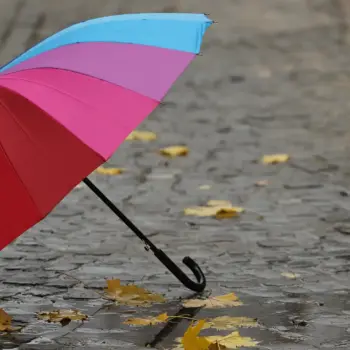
{"type": "Point", "coordinates": [3, 76]}
{"type": "Point", "coordinates": [63, 93]}
{"type": "Point", "coordinates": [81, 25]}
{"type": "Point", "coordinates": [56, 121]}
{"type": "Point", "coordinates": [7, 108]}
{"type": "Point", "coordinates": [4, 71]}
{"type": "Point", "coordinates": [18, 176]}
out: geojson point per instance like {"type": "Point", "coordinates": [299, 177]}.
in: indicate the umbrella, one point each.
{"type": "Point", "coordinates": [71, 100]}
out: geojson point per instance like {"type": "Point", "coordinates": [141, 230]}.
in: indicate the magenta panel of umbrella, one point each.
{"type": "Point", "coordinates": [71, 101]}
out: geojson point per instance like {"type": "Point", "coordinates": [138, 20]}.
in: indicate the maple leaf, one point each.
{"type": "Point", "coordinates": [141, 136]}
{"type": "Point", "coordinates": [174, 151]}
{"type": "Point", "coordinates": [232, 341]}
{"type": "Point", "coordinates": [275, 158]}
{"type": "Point", "coordinates": [5, 322]}
{"type": "Point", "coordinates": [150, 321]}
{"type": "Point", "coordinates": [109, 171]}
{"type": "Point", "coordinates": [131, 294]}
{"type": "Point", "coordinates": [227, 300]}
{"type": "Point", "coordinates": [191, 340]}
{"type": "Point", "coordinates": [227, 322]}
{"type": "Point", "coordinates": [62, 316]}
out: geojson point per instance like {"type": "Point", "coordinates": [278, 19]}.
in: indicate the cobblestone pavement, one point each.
{"type": "Point", "coordinates": [274, 77]}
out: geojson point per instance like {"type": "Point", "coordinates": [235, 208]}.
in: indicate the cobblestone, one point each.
{"type": "Point", "coordinates": [273, 78]}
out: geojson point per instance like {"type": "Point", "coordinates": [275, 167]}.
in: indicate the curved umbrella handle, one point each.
{"type": "Point", "coordinates": [198, 286]}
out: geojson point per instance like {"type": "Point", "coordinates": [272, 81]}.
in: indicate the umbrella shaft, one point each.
{"type": "Point", "coordinates": [121, 216]}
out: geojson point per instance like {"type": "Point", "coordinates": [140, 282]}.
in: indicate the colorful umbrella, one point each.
{"type": "Point", "coordinates": [78, 95]}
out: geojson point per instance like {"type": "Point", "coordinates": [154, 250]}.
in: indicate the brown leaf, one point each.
{"type": "Point", "coordinates": [5, 322]}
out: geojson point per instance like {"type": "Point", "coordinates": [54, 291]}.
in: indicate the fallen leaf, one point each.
{"type": "Point", "coordinates": [227, 300]}
{"type": "Point", "coordinates": [262, 183]}
{"type": "Point", "coordinates": [232, 341]}
{"type": "Point", "coordinates": [191, 340]}
{"type": "Point", "coordinates": [5, 322]}
{"type": "Point", "coordinates": [175, 151]}
{"type": "Point", "coordinates": [109, 171]}
{"type": "Point", "coordinates": [205, 187]}
{"type": "Point", "coordinates": [63, 316]}
{"type": "Point", "coordinates": [131, 294]}
{"type": "Point", "coordinates": [226, 213]}
{"type": "Point", "coordinates": [221, 209]}
{"type": "Point", "coordinates": [141, 136]}
{"type": "Point", "coordinates": [150, 321]}
{"type": "Point", "coordinates": [290, 275]}
{"type": "Point", "coordinates": [275, 158]}
{"type": "Point", "coordinates": [227, 322]}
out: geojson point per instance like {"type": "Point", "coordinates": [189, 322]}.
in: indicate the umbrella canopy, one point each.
{"type": "Point", "coordinates": [78, 95]}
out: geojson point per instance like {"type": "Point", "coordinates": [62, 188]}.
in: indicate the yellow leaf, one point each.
{"type": "Point", "coordinates": [290, 275]}
{"type": "Point", "coordinates": [200, 211]}
{"type": "Point", "coordinates": [5, 322]}
{"type": "Point", "coordinates": [191, 340]}
{"type": "Point", "coordinates": [227, 300]}
{"type": "Point", "coordinates": [221, 209]}
{"type": "Point", "coordinates": [62, 315]}
{"type": "Point", "coordinates": [205, 187]}
{"type": "Point", "coordinates": [142, 136]}
{"type": "Point", "coordinates": [150, 321]}
{"type": "Point", "coordinates": [232, 341]}
{"type": "Point", "coordinates": [109, 171]}
{"type": "Point", "coordinates": [275, 158]}
{"type": "Point", "coordinates": [175, 151]}
{"type": "Point", "coordinates": [131, 294]}
{"type": "Point", "coordinates": [227, 322]}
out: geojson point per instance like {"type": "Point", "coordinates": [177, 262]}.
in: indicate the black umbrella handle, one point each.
{"type": "Point", "coordinates": [198, 286]}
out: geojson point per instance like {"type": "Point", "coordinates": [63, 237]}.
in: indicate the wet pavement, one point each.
{"type": "Point", "coordinates": [274, 78]}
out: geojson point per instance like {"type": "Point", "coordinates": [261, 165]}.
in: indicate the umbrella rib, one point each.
{"type": "Point", "coordinates": [4, 76]}
{"type": "Point", "coordinates": [49, 87]}
{"type": "Point", "coordinates": [7, 108]}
